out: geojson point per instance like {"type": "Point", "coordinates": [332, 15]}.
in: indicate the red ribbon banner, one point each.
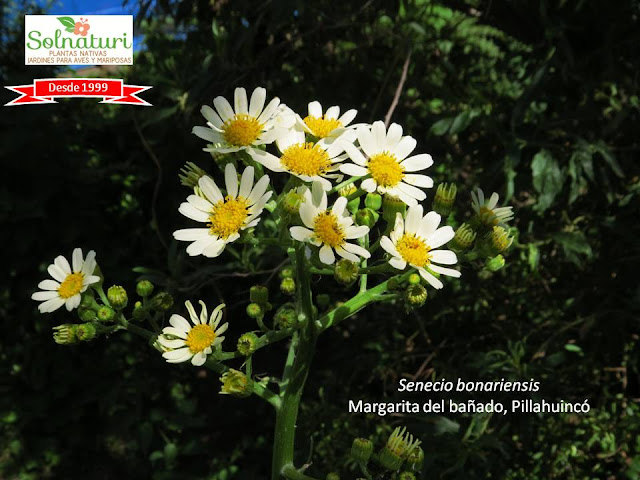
{"type": "Point", "coordinates": [111, 90]}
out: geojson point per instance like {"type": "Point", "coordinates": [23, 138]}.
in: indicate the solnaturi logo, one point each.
{"type": "Point", "coordinates": [78, 40]}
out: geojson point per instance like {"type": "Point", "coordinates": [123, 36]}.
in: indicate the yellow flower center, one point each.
{"type": "Point", "coordinates": [328, 230]}
{"type": "Point", "coordinates": [413, 250]}
{"type": "Point", "coordinates": [241, 130]}
{"type": "Point", "coordinates": [385, 169]}
{"type": "Point", "coordinates": [306, 159]}
{"type": "Point", "coordinates": [200, 337]}
{"type": "Point", "coordinates": [488, 217]}
{"type": "Point", "coordinates": [228, 216]}
{"type": "Point", "coordinates": [322, 126]}
{"type": "Point", "coordinates": [71, 285]}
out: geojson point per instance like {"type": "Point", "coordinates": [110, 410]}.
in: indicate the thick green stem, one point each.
{"type": "Point", "coordinates": [290, 472]}
{"type": "Point", "coordinates": [287, 414]}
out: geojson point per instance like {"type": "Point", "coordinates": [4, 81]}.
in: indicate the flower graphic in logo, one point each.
{"type": "Point", "coordinates": [77, 28]}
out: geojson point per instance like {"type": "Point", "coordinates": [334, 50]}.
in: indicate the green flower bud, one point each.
{"type": "Point", "coordinates": [415, 459]}
{"type": "Point", "coordinates": [247, 344]}
{"type": "Point", "coordinates": [190, 174]}
{"type": "Point", "coordinates": [406, 476]}
{"type": "Point", "coordinates": [463, 239]}
{"type": "Point", "coordinates": [323, 300]}
{"type": "Point", "coordinates": [235, 383]}
{"type": "Point", "coordinates": [348, 190]}
{"type": "Point", "coordinates": [259, 294]}
{"type": "Point", "coordinates": [445, 198]}
{"type": "Point", "coordinates": [139, 311]}
{"type": "Point", "coordinates": [65, 334]}
{"type": "Point", "coordinates": [87, 300]}
{"type": "Point", "coordinates": [390, 207]}
{"type": "Point", "coordinates": [367, 217]}
{"type": "Point", "coordinates": [494, 264]}
{"type": "Point", "coordinates": [373, 201]}
{"type": "Point", "coordinates": [332, 476]}
{"type": "Point", "coordinates": [86, 315]}
{"type": "Point", "coordinates": [415, 295]}
{"type": "Point", "coordinates": [500, 240]}
{"type": "Point", "coordinates": [286, 272]}
{"type": "Point", "coordinates": [291, 201]}
{"type": "Point", "coordinates": [162, 301]}
{"type": "Point", "coordinates": [288, 286]}
{"type": "Point", "coordinates": [398, 448]}
{"type": "Point", "coordinates": [346, 272]}
{"type": "Point", "coordinates": [285, 317]}
{"type": "Point", "coordinates": [144, 288]}
{"type": "Point", "coordinates": [105, 314]}
{"type": "Point", "coordinates": [117, 297]}
{"type": "Point", "coordinates": [414, 279]}
{"type": "Point", "coordinates": [361, 450]}
{"type": "Point", "coordinates": [353, 205]}
{"type": "Point", "coordinates": [255, 311]}
{"type": "Point", "coordinates": [86, 332]}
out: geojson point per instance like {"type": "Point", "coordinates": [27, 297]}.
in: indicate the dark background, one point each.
{"type": "Point", "coordinates": [535, 100]}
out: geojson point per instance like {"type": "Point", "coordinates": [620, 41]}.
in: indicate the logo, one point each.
{"type": "Point", "coordinates": [69, 40]}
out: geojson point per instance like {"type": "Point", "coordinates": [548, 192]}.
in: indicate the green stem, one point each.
{"type": "Point", "coordinates": [290, 472]}
{"type": "Point", "coordinates": [343, 184]}
{"type": "Point", "coordinates": [287, 414]}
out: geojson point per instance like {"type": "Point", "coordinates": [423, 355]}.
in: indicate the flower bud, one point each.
{"type": "Point", "coordinates": [139, 311]}
{"type": "Point", "coordinates": [367, 217]}
{"type": "Point", "coordinates": [286, 272]}
{"type": "Point", "coordinates": [353, 205]}
{"type": "Point", "coordinates": [346, 272]}
{"type": "Point", "coordinates": [285, 317]}
{"type": "Point", "coordinates": [463, 239]}
{"type": "Point", "coordinates": [65, 334]}
{"type": "Point", "coordinates": [105, 314]}
{"type": "Point", "coordinates": [496, 241]}
{"type": "Point", "coordinates": [390, 207]}
{"type": "Point", "coordinates": [494, 264]}
{"type": "Point", "coordinates": [445, 198]}
{"type": "Point", "coordinates": [373, 201]}
{"type": "Point", "coordinates": [235, 383]}
{"type": "Point", "coordinates": [255, 311]}
{"type": "Point", "coordinates": [399, 446]}
{"type": "Point", "coordinates": [332, 476]}
{"type": "Point", "coordinates": [86, 332]}
{"type": "Point", "coordinates": [323, 300]}
{"type": "Point", "coordinates": [415, 459]}
{"type": "Point", "coordinates": [291, 201]}
{"type": "Point", "coordinates": [259, 294]}
{"type": "Point", "coordinates": [87, 300]}
{"type": "Point", "coordinates": [361, 450]}
{"type": "Point", "coordinates": [406, 476]}
{"type": "Point", "coordinates": [162, 301]}
{"type": "Point", "coordinates": [247, 344]}
{"type": "Point", "coordinates": [190, 174]}
{"type": "Point", "coordinates": [415, 295]}
{"type": "Point", "coordinates": [414, 279]}
{"type": "Point", "coordinates": [117, 297]}
{"type": "Point", "coordinates": [348, 190]}
{"type": "Point", "coordinates": [144, 288]}
{"type": "Point", "coordinates": [86, 315]}
{"type": "Point", "coordinates": [288, 286]}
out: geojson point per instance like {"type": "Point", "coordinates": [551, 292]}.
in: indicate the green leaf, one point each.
{"type": "Point", "coordinates": [67, 22]}
{"type": "Point", "coordinates": [70, 29]}
{"type": "Point", "coordinates": [573, 245]}
{"type": "Point", "coordinates": [548, 179]}
{"type": "Point", "coordinates": [441, 127]}
{"type": "Point", "coordinates": [609, 157]}
{"type": "Point", "coordinates": [534, 256]}
{"type": "Point", "coordinates": [461, 122]}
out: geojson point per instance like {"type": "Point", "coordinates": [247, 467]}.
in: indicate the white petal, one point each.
{"type": "Point", "coordinates": [356, 232]}
{"type": "Point", "coordinates": [77, 260]}
{"type": "Point", "coordinates": [379, 136]}
{"type": "Point", "coordinates": [240, 100]}
{"type": "Point", "coordinates": [404, 147]}
{"type": "Point", "coordinates": [207, 134]}
{"type": "Point", "coordinates": [42, 296]}
{"type": "Point", "coordinates": [267, 159]}
{"type": "Point", "coordinates": [326, 255]}
{"type": "Point", "coordinates": [493, 201]}
{"type": "Point", "coordinates": [179, 322]}
{"type": "Point", "coordinates": [398, 263]}
{"type": "Point", "coordinates": [353, 170]}
{"type": "Point", "coordinates": [191, 234]}
{"type": "Point", "coordinates": [210, 189]}
{"type": "Point", "coordinates": [259, 189]}
{"type": "Point", "coordinates": [211, 116]}
{"type": "Point", "coordinates": [413, 218]}
{"type": "Point", "coordinates": [339, 206]}
{"type": "Point", "coordinates": [418, 180]}
{"type": "Point", "coordinates": [200, 203]}
{"type": "Point", "coordinates": [446, 257]}
{"type": "Point", "coordinates": [89, 263]}
{"type": "Point", "coordinates": [173, 344]}
{"type": "Point", "coordinates": [62, 264]}
{"type": "Point", "coordinates": [193, 213]}
{"type": "Point", "coordinates": [332, 112]}
{"type": "Point", "coordinates": [429, 224]}
{"type": "Point", "coordinates": [224, 108]}
{"type": "Point", "coordinates": [417, 162]}
{"type": "Point", "coordinates": [388, 246]}
{"type": "Point", "coordinates": [411, 191]}
{"type": "Point", "coordinates": [440, 237]}
{"type": "Point", "coordinates": [348, 255]}
{"type": "Point", "coordinates": [199, 359]}
{"type": "Point", "coordinates": [445, 271]}
{"type": "Point", "coordinates": [214, 249]}
{"type": "Point", "coordinates": [315, 109]}
{"type": "Point", "coordinates": [176, 332]}
{"type": "Point", "coordinates": [366, 140]}
{"type": "Point", "coordinates": [369, 185]}
{"type": "Point", "coordinates": [177, 356]}
{"type": "Point", "coordinates": [394, 134]}
{"type": "Point", "coordinates": [51, 305]}
{"type": "Point", "coordinates": [56, 273]}
{"type": "Point", "coordinates": [433, 281]}
{"type": "Point", "coordinates": [246, 182]}
{"type": "Point", "coordinates": [357, 249]}
{"type": "Point", "coordinates": [231, 179]}
{"type": "Point", "coordinates": [347, 117]}
{"type": "Point", "coordinates": [269, 110]}
{"type": "Point", "coordinates": [256, 104]}
{"type": "Point", "coordinates": [49, 285]}
{"type": "Point", "coordinates": [354, 154]}
{"type": "Point", "coordinates": [301, 234]}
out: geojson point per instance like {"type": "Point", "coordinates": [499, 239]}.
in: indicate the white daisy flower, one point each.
{"type": "Point", "coordinates": [387, 164]}
{"type": "Point", "coordinates": [68, 283]}
{"type": "Point", "coordinates": [327, 125]}
{"type": "Point", "coordinates": [225, 216]}
{"type": "Point", "coordinates": [487, 211]}
{"type": "Point", "coordinates": [413, 241]}
{"type": "Point", "coordinates": [329, 229]}
{"type": "Point", "coordinates": [185, 342]}
{"type": "Point", "coordinates": [246, 125]}
{"type": "Point", "coordinates": [311, 162]}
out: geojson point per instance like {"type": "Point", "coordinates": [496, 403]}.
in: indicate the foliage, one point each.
{"type": "Point", "coordinates": [537, 100]}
